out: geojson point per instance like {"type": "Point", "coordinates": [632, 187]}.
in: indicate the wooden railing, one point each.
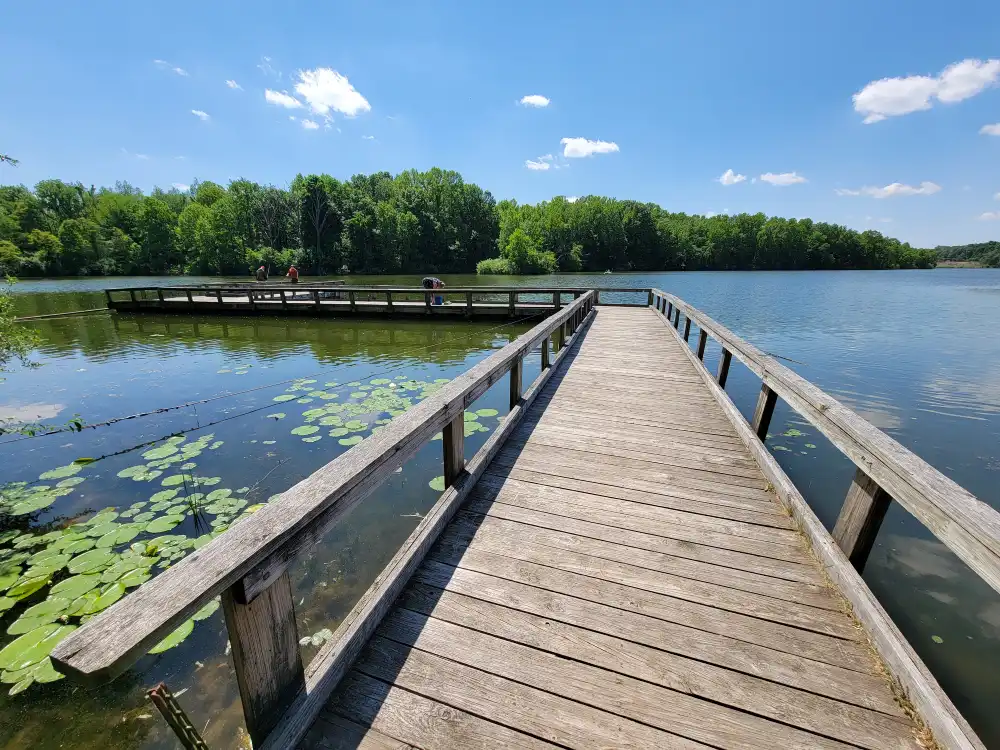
{"type": "Point", "coordinates": [248, 565]}
{"type": "Point", "coordinates": [284, 292]}
{"type": "Point", "coordinates": [885, 471]}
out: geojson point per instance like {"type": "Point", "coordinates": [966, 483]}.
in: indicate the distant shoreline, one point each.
{"type": "Point", "coordinates": [960, 264]}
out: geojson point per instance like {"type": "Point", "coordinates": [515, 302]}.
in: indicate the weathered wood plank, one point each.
{"type": "Point", "coordinates": [858, 523]}
{"type": "Point", "coordinates": [763, 411]}
{"type": "Point", "coordinates": [453, 444]}
{"type": "Point", "coordinates": [333, 732]}
{"type": "Point", "coordinates": [265, 644]}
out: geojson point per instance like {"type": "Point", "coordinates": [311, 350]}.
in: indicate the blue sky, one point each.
{"type": "Point", "coordinates": [685, 91]}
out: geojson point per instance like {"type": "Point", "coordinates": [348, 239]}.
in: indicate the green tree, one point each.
{"type": "Point", "coordinates": [79, 241]}
{"type": "Point", "coordinates": [16, 339]}
{"type": "Point", "coordinates": [10, 258]}
{"type": "Point", "coordinates": [156, 238]}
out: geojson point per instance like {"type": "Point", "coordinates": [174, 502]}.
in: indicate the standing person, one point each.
{"type": "Point", "coordinates": [293, 274]}
{"type": "Point", "coordinates": [262, 274]}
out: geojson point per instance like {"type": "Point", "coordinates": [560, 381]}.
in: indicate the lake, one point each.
{"type": "Point", "coordinates": [258, 403]}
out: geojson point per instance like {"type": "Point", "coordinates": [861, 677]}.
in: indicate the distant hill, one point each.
{"type": "Point", "coordinates": [986, 253]}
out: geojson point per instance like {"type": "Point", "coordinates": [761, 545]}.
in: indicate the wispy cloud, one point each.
{"type": "Point", "coordinates": [572, 198]}
{"type": "Point", "coordinates": [783, 179]}
{"type": "Point", "coordinates": [324, 89]}
{"type": "Point", "coordinates": [578, 148]}
{"type": "Point", "coordinates": [535, 100]}
{"type": "Point", "coordinates": [130, 154]}
{"type": "Point", "coordinates": [990, 216]}
{"type": "Point", "coordinates": [731, 178]}
{"type": "Point", "coordinates": [891, 97]}
{"type": "Point", "coordinates": [203, 116]}
{"type": "Point", "coordinates": [541, 164]}
{"type": "Point", "coordinates": [310, 125]}
{"type": "Point", "coordinates": [181, 186]}
{"type": "Point", "coordinates": [368, 137]}
{"type": "Point", "coordinates": [233, 85]}
{"type": "Point", "coordinates": [993, 129]}
{"type": "Point", "coordinates": [167, 66]}
{"type": "Point", "coordinates": [282, 99]}
{"type": "Point", "coordinates": [893, 190]}
{"type": "Point", "coordinates": [265, 67]}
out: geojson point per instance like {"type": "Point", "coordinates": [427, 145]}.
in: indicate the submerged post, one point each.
{"type": "Point", "coordinates": [857, 525]}
{"type": "Point", "coordinates": [724, 361]}
{"type": "Point", "coordinates": [265, 644]}
{"type": "Point", "coordinates": [762, 413]}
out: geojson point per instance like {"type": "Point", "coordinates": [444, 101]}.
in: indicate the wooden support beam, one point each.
{"type": "Point", "coordinates": [649, 298]}
{"type": "Point", "coordinates": [107, 296]}
{"type": "Point", "coordinates": [546, 361]}
{"type": "Point", "coordinates": [857, 525]}
{"type": "Point", "coordinates": [353, 300]}
{"type": "Point", "coordinates": [670, 309]}
{"type": "Point", "coordinates": [189, 295]}
{"type": "Point", "coordinates": [253, 304]}
{"type": "Point", "coordinates": [468, 304]}
{"type": "Point", "coordinates": [687, 327]}
{"type": "Point", "coordinates": [556, 300]}
{"type": "Point", "coordinates": [511, 302]}
{"type": "Point", "coordinates": [131, 294]}
{"type": "Point", "coordinates": [265, 644]}
{"type": "Point", "coordinates": [516, 371]}
{"type": "Point", "coordinates": [677, 318]}
{"type": "Point", "coordinates": [702, 342]}
{"type": "Point", "coordinates": [453, 436]}
{"type": "Point", "coordinates": [388, 301]}
{"type": "Point", "coordinates": [560, 338]}
{"type": "Point", "coordinates": [316, 298]}
{"type": "Point", "coordinates": [765, 408]}
{"type": "Point", "coordinates": [284, 302]}
{"type": "Point", "coordinates": [159, 295]}
{"type": "Point", "coordinates": [427, 302]}
{"type": "Point", "coordinates": [724, 360]}
{"type": "Point", "coordinates": [218, 296]}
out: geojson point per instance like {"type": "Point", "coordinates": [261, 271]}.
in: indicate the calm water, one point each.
{"type": "Point", "coordinates": [915, 352]}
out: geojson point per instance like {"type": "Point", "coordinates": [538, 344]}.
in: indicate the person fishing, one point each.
{"type": "Point", "coordinates": [432, 282]}
{"type": "Point", "coordinates": [262, 274]}
{"type": "Point", "coordinates": [293, 274]}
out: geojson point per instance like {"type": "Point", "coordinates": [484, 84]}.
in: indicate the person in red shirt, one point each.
{"type": "Point", "coordinates": [293, 275]}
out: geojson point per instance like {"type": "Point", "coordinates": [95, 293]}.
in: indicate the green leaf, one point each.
{"type": "Point", "coordinates": [106, 598]}
{"type": "Point", "coordinates": [437, 483]}
{"type": "Point", "coordinates": [62, 472]}
{"type": "Point", "coordinates": [174, 639]}
{"type": "Point", "coordinates": [306, 429]}
{"type": "Point", "coordinates": [25, 587]}
{"type": "Point", "coordinates": [351, 440]}
{"type": "Point", "coordinates": [487, 412]}
{"type": "Point", "coordinates": [207, 611]}
{"type": "Point", "coordinates": [277, 415]}
{"type": "Point", "coordinates": [163, 523]}
{"type": "Point", "coordinates": [91, 562]}
{"type": "Point", "coordinates": [339, 431]}
{"type": "Point", "coordinates": [284, 397]}
{"type": "Point", "coordinates": [75, 587]}
{"type": "Point", "coordinates": [32, 647]}
{"type": "Point", "coordinates": [173, 481]}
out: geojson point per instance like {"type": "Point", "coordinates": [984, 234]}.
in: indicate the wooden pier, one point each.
{"type": "Point", "coordinates": [343, 301]}
{"type": "Point", "coordinates": [623, 564]}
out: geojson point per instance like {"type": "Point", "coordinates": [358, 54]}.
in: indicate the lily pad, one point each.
{"type": "Point", "coordinates": [163, 523]}
{"type": "Point", "coordinates": [354, 440]}
{"type": "Point", "coordinates": [174, 639]}
{"type": "Point", "coordinates": [207, 611]}
{"type": "Point", "coordinates": [470, 416]}
{"type": "Point", "coordinates": [62, 472]}
{"type": "Point", "coordinates": [91, 562]}
{"type": "Point", "coordinates": [339, 431]}
{"type": "Point", "coordinates": [284, 397]}
{"type": "Point", "coordinates": [111, 593]}
{"type": "Point", "coordinates": [25, 587]}
{"type": "Point", "coordinates": [135, 578]}
{"type": "Point", "coordinates": [25, 624]}
{"type": "Point", "coordinates": [32, 647]}
{"type": "Point", "coordinates": [437, 483]}
{"type": "Point", "coordinates": [78, 546]}
{"type": "Point", "coordinates": [77, 586]}
{"type": "Point", "coordinates": [163, 451]}
{"type": "Point", "coordinates": [277, 415]}
{"type": "Point", "coordinates": [306, 429]}
{"type": "Point", "coordinates": [487, 412]}
{"type": "Point", "coordinates": [173, 481]}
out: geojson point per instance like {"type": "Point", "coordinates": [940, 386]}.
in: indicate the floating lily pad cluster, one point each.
{"type": "Point", "coordinates": [792, 433]}
{"type": "Point", "coordinates": [366, 407]}
{"type": "Point", "coordinates": [473, 424]}
{"type": "Point", "coordinates": [86, 567]}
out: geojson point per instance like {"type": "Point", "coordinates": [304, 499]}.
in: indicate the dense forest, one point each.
{"type": "Point", "coordinates": [984, 253]}
{"type": "Point", "coordinates": [415, 222]}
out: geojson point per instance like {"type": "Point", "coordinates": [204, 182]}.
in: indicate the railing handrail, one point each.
{"type": "Point", "coordinates": [966, 525]}
{"type": "Point", "coordinates": [301, 287]}
{"type": "Point", "coordinates": [252, 550]}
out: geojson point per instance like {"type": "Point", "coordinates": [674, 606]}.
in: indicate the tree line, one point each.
{"type": "Point", "coordinates": [414, 222]}
{"type": "Point", "coordinates": [984, 253]}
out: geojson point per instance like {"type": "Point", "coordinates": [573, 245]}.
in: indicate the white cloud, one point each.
{"type": "Point", "coordinates": [572, 198]}
{"type": "Point", "coordinates": [181, 186]}
{"type": "Point", "coordinates": [990, 216]}
{"type": "Point", "coordinates": [993, 129]}
{"type": "Point", "coordinates": [535, 100]}
{"type": "Point", "coordinates": [577, 148]}
{"type": "Point", "coordinates": [890, 191]}
{"type": "Point", "coordinates": [282, 99]}
{"type": "Point", "coordinates": [368, 137]}
{"type": "Point", "coordinates": [996, 197]}
{"type": "Point", "coordinates": [310, 125]}
{"type": "Point", "coordinates": [142, 157]}
{"type": "Point", "coordinates": [198, 113]}
{"type": "Point", "coordinates": [731, 178]}
{"type": "Point", "coordinates": [325, 89]}
{"type": "Point", "coordinates": [164, 64]}
{"type": "Point", "coordinates": [180, 158]}
{"type": "Point", "coordinates": [537, 165]}
{"type": "Point", "coordinates": [892, 97]}
{"type": "Point", "coordinates": [783, 179]}
{"type": "Point", "coordinates": [233, 85]}
{"type": "Point", "coordinates": [265, 67]}
{"type": "Point", "coordinates": [881, 220]}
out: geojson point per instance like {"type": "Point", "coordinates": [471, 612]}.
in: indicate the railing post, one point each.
{"type": "Point", "coordinates": [762, 413]}
{"type": "Point", "coordinates": [351, 298]}
{"type": "Point", "coordinates": [427, 302]}
{"type": "Point", "coordinates": [218, 296]}
{"type": "Point", "coordinates": [189, 295]}
{"type": "Point", "coordinates": [670, 309]}
{"type": "Point", "coordinates": [702, 342]}
{"type": "Point", "coordinates": [687, 327]}
{"type": "Point", "coordinates": [724, 361]}
{"type": "Point", "coordinates": [546, 362]}
{"type": "Point", "coordinates": [107, 296]}
{"type": "Point", "coordinates": [284, 302]}
{"type": "Point", "coordinates": [131, 294]}
{"type": "Point", "coordinates": [649, 298]}
{"type": "Point", "coordinates": [677, 317]}
{"type": "Point", "coordinates": [857, 525]}
{"type": "Point", "coordinates": [468, 304]}
{"type": "Point", "coordinates": [597, 297]}
{"type": "Point", "coordinates": [388, 301]}
{"type": "Point", "coordinates": [159, 294]}
{"type": "Point", "coordinates": [453, 437]}
{"type": "Point", "coordinates": [556, 301]}
{"type": "Point", "coordinates": [316, 298]}
{"type": "Point", "coordinates": [265, 645]}
{"type": "Point", "coordinates": [511, 302]}
{"type": "Point", "coordinates": [515, 381]}
{"type": "Point", "coordinates": [253, 305]}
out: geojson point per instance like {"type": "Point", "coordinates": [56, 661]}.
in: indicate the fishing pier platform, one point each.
{"type": "Point", "coordinates": [622, 565]}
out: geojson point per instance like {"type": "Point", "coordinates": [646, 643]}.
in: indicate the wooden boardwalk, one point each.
{"type": "Point", "coordinates": [620, 577]}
